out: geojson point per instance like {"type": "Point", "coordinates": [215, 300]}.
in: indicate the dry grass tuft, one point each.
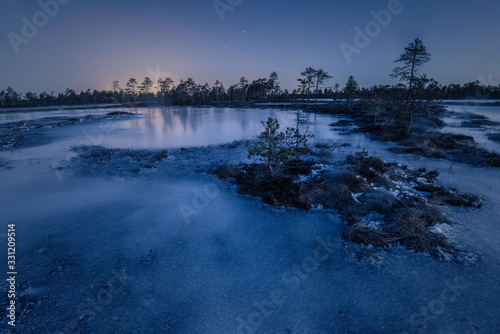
{"type": "Point", "coordinates": [361, 233]}
{"type": "Point", "coordinates": [457, 199]}
{"type": "Point", "coordinates": [412, 230]}
{"type": "Point", "coordinates": [366, 166]}
{"type": "Point", "coordinates": [417, 220]}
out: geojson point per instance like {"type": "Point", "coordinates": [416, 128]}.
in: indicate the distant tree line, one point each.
{"type": "Point", "coordinates": [311, 87]}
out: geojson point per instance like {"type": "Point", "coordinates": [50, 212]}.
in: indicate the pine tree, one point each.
{"type": "Point", "coordinates": [307, 81]}
{"type": "Point", "coordinates": [165, 86]}
{"type": "Point", "coordinates": [131, 84]}
{"type": "Point", "coordinates": [146, 86]}
{"type": "Point", "coordinates": [278, 148]}
{"type": "Point", "coordinates": [116, 87]}
{"type": "Point", "coordinates": [321, 77]}
{"type": "Point", "coordinates": [350, 89]}
{"type": "Point", "coordinates": [413, 59]}
{"type": "Point", "coordinates": [274, 85]}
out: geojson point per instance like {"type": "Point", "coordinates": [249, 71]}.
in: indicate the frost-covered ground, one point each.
{"type": "Point", "coordinates": [138, 241]}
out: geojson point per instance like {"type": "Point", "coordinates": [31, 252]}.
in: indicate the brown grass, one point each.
{"type": "Point", "coordinates": [417, 220]}
{"type": "Point", "coordinates": [361, 233]}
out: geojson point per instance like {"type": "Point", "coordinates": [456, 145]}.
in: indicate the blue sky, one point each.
{"type": "Point", "coordinates": [88, 44]}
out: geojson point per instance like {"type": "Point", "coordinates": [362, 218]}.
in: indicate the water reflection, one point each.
{"type": "Point", "coordinates": [190, 126]}
{"type": "Point", "coordinates": [173, 127]}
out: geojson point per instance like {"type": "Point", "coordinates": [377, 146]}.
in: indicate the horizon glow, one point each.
{"type": "Point", "coordinates": [86, 45]}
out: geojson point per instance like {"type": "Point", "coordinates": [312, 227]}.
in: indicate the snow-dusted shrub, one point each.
{"type": "Point", "coordinates": [277, 148]}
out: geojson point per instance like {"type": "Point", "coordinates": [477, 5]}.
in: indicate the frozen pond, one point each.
{"type": "Point", "coordinates": [182, 127]}
{"type": "Point", "coordinates": [172, 250]}
{"type": "Point", "coordinates": [186, 127]}
{"type": "Point", "coordinates": [159, 128]}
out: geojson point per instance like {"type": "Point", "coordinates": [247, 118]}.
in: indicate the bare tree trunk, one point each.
{"type": "Point", "coordinates": [316, 93]}
{"type": "Point", "coordinates": [408, 107]}
{"type": "Point", "coordinates": [297, 132]}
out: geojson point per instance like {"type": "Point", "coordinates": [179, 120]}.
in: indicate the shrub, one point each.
{"type": "Point", "coordinates": [278, 148]}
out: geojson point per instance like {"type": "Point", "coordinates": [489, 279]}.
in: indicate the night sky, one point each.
{"type": "Point", "coordinates": [88, 44]}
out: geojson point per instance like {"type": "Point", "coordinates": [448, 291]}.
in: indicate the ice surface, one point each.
{"type": "Point", "coordinates": [475, 101]}
{"type": "Point", "coordinates": [6, 117]}
{"type": "Point", "coordinates": [480, 134]}
{"type": "Point", "coordinates": [172, 250]}
{"type": "Point", "coordinates": [492, 113]}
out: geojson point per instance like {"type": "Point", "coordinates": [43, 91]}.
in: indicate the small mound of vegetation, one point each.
{"type": "Point", "coordinates": [494, 137]}
{"type": "Point", "coordinates": [361, 233]}
{"type": "Point", "coordinates": [476, 121]}
{"type": "Point", "coordinates": [277, 190]}
{"type": "Point", "coordinates": [423, 151]}
{"type": "Point", "coordinates": [406, 202]}
{"type": "Point", "coordinates": [92, 159]}
{"type": "Point", "coordinates": [418, 132]}
{"type": "Point", "coordinates": [343, 122]}
{"type": "Point", "coordinates": [370, 168]}
{"type": "Point", "coordinates": [160, 156]}
{"type": "Point", "coordinates": [476, 156]}
{"type": "Point", "coordinates": [455, 147]}
{"type": "Point", "coordinates": [383, 204]}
